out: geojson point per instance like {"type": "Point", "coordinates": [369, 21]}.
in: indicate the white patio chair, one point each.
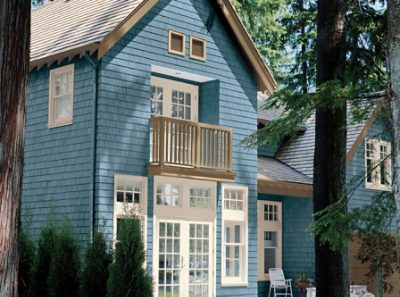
{"type": "Point", "coordinates": [279, 283]}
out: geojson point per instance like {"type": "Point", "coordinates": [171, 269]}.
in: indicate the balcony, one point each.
{"type": "Point", "coordinates": [190, 149]}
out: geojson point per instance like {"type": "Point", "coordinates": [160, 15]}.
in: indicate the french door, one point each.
{"type": "Point", "coordinates": [183, 259]}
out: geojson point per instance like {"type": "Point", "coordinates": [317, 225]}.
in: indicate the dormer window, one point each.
{"type": "Point", "coordinates": [198, 48]}
{"type": "Point", "coordinates": [61, 96]}
{"type": "Point", "coordinates": [176, 43]}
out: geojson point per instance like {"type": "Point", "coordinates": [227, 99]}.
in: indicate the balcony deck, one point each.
{"type": "Point", "coordinates": [190, 149]}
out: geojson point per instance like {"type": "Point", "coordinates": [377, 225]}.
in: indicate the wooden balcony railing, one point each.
{"type": "Point", "coordinates": [188, 144]}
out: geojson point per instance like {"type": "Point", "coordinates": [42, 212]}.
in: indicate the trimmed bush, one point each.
{"type": "Point", "coordinates": [95, 271]}
{"type": "Point", "coordinates": [26, 264]}
{"type": "Point", "coordinates": [63, 279]}
{"type": "Point", "coordinates": [127, 275]}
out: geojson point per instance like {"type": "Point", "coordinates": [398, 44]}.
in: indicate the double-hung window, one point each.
{"type": "Point", "coordinates": [378, 164]}
{"type": "Point", "coordinates": [130, 200]}
{"type": "Point", "coordinates": [269, 237]}
{"type": "Point", "coordinates": [234, 236]}
{"type": "Point", "coordinates": [61, 96]}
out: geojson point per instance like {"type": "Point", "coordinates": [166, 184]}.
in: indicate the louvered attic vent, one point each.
{"type": "Point", "coordinates": [176, 43]}
{"type": "Point", "coordinates": [198, 48]}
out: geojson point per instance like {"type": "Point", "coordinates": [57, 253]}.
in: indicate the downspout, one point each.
{"type": "Point", "coordinates": [93, 147]}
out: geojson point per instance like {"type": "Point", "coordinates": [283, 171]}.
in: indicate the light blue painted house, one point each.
{"type": "Point", "coordinates": [138, 108]}
{"type": "Point", "coordinates": [285, 179]}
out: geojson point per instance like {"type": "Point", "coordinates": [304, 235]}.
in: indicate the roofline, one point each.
{"type": "Point", "coordinates": [276, 187]}
{"type": "Point", "coordinates": [352, 151]}
{"type": "Point", "coordinates": [115, 35]}
{"type": "Point", "coordinates": [263, 75]}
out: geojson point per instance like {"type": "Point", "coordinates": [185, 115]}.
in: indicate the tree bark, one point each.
{"type": "Point", "coordinates": [393, 62]}
{"type": "Point", "coordinates": [331, 267]}
{"type": "Point", "coordinates": [14, 67]}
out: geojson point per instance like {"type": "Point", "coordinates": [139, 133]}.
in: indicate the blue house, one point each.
{"type": "Point", "coordinates": [137, 108]}
{"type": "Point", "coordinates": [285, 189]}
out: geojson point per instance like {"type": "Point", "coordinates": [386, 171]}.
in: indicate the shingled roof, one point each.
{"type": "Point", "coordinates": [66, 28]}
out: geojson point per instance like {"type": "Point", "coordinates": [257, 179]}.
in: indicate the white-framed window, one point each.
{"type": "Point", "coordinates": [378, 164]}
{"type": "Point", "coordinates": [61, 96]}
{"type": "Point", "coordinates": [269, 237]}
{"type": "Point", "coordinates": [177, 198]}
{"type": "Point", "coordinates": [174, 99]}
{"type": "Point", "coordinates": [234, 236]}
{"type": "Point", "coordinates": [130, 201]}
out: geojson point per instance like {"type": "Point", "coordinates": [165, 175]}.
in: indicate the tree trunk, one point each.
{"type": "Point", "coordinates": [331, 267]}
{"type": "Point", "coordinates": [393, 62]}
{"type": "Point", "coordinates": [14, 67]}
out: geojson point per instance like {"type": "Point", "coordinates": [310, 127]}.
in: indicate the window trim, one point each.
{"type": "Point", "coordinates": [139, 209]}
{"type": "Point", "coordinates": [268, 226]}
{"type": "Point", "coordinates": [235, 217]}
{"type": "Point", "coordinates": [193, 56]}
{"type": "Point", "coordinates": [52, 122]}
{"type": "Point", "coordinates": [376, 174]}
{"type": "Point", "coordinates": [172, 51]}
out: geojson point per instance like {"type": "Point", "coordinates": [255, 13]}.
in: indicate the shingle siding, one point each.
{"type": "Point", "coordinates": [229, 99]}
{"type": "Point", "coordinates": [57, 160]}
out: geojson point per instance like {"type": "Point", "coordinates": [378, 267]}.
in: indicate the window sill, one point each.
{"type": "Point", "coordinates": [234, 283]}
{"type": "Point", "coordinates": [60, 124]}
{"type": "Point", "coordinates": [378, 188]}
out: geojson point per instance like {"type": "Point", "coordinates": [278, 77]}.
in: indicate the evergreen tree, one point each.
{"type": "Point", "coordinates": [95, 271]}
{"type": "Point", "coordinates": [128, 278]}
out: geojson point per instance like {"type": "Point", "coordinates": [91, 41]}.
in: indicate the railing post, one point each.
{"type": "Point", "coordinates": [230, 153]}
{"type": "Point", "coordinates": [161, 152]}
{"type": "Point", "coordinates": [197, 146]}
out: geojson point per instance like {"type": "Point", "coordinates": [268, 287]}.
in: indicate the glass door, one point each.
{"type": "Point", "coordinates": [183, 258]}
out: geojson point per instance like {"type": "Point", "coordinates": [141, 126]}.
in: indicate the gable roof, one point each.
{"type": "Point", "coordinates": [66, 28]}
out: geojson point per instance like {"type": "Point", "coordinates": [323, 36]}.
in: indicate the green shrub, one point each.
{"type": "Point", "coordinates": [95, 271]}
{"type": "Point", "coordinates": [26, 264]}
{"type": "Point", "coordinates": [63, 279]}
{"type": "Point", "coordinates": [44, 255]}
{"type": "Point", "coordinates": [127, 275]}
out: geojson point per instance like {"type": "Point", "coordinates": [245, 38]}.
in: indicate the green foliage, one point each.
{"type": "Point", "coordinates": [95, 271]}
{"type": "Point", "coordinates": [127, 275]}
{"type": "Point", "coordinates": [27, 254]}
{"type": "Point", "coordinates": [45, 251]}
{"type": "Point", "coordinates": [63, 279]}
{"type": "Point", "coordinates": [57, 267]}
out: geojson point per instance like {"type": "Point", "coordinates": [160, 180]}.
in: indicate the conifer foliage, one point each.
{"type": "Point", "coordinates": [128, 278]}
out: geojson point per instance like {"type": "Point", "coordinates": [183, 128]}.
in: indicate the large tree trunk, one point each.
{"type": "Point", "coordinates": [331, 267]}
{"type": "Point", "coordinates": [393, 62]}
{"type": "Point", "coordinates": [14, 67]}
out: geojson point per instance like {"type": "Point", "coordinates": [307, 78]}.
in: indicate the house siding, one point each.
{"type": "Point", "coordinates": [229, 99]}
{"type": "Point", "coordinates": [298, 243]}
{"type": "Point", "coordinates": [57, 160]}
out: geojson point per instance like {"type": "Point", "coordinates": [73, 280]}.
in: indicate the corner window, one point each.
{"type": "Point", "coordinates": [269, 237]}
{"type": "Point", "coordinates": [61, 96]}
{"type": "Point", "coordinates": [378, 165]}
{"type": "Point", "coordinates": [129, 200]}
{"type": "Point", "coordinates": [234, 235]}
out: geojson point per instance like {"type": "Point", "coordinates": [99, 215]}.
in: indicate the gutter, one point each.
{"type": "Point", "coordinates": [93, 146]}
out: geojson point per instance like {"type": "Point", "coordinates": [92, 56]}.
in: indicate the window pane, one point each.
{"type": "Point", "coordinates": [270, 239]}
{"type": "Point", "coordinates": [168, 194]}
{"type": "Point", "coordinates": [200, 198]}
{"type": "Point", "coordinates": [269, 259]}
{"type": "Point", "coordinates": [63, 107]}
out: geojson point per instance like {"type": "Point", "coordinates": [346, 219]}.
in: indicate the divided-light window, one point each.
{"type": "Point", "coordinates": [269, 237]}
{"type": "Point", "coordinates": [378, 164]}
{"type": "Point", "coordinates": [61, 96]}
{"type": "Point", "coordinates": [234, 235]}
